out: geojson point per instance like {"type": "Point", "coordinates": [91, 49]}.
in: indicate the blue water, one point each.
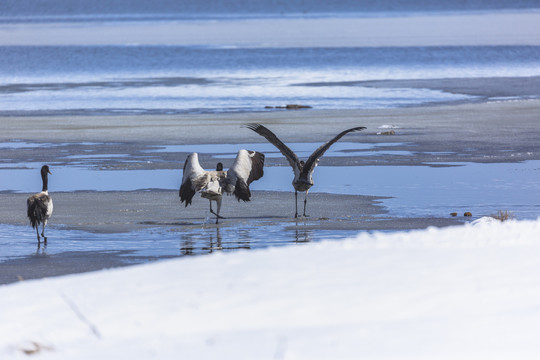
{"type": "Point", "coordinates": [176, 80]}
{"type": "Point", "coordinates": [146, 245]}
{"type": "Point", "coordinates": [41, 10]}
{"type": "Point", "coordinates": [415, 191]}
{"type": "Point", "coordinates": [171, 79]}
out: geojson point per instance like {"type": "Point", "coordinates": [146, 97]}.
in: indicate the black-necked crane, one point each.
{"type": "Point", "coordinates": [39, 207]}
{"type": "Point", "coordinates": [247, 167]}
{"type": "Point", "coordinates": [303, 171]}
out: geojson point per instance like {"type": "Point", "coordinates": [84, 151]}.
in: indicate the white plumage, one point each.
{"type": "Point", "coordinates": [247, 167]}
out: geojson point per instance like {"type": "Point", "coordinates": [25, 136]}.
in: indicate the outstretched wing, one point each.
{"type": "Point", "coordinates": [273, 139]}
{"type": "Point", "coordinates": [312, 160]}
{"type": "Point", "coordinates": [192, 171]}
{"type": "Point", "coordinates": [247, 167]}
{"type": "Point", "coordinates": [257, 165]}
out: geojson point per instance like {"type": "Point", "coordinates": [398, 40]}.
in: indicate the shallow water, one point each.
{"type": "Point", "coordinates": [416, 191]}
{"type": "Point", "coordinates": [146, 245]}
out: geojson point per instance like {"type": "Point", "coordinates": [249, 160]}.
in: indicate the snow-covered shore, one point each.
{"type": "Point", "coordinates": [467, 292]}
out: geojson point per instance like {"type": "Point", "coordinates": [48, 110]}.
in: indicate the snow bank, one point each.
{"type": "Point", "coordinates": [467, 292]}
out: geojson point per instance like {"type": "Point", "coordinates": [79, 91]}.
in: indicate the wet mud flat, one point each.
{"type": "Point", "coordinates": [123, 211]}
{"type": "Point", "coordinates": [504, 131]}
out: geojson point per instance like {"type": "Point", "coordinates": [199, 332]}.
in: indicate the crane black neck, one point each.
{"type": "Point", "coordinates": [45, 180]}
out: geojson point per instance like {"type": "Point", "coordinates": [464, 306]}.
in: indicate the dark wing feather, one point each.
{"type": "Point", "coordinates": [241, 187]}
{"type": "Point", "coordinates": [257, 164]}
{"type": "Point", "coordinates": [241, 190]}
{"type": "Point", "coordinates": [312, 160]}
{"type": "Point", "coordinates": [36, 209]}
{"type": "Point", "coordinates": [273, 139]}
{"type": "Point", "coordinates": [186, 192]}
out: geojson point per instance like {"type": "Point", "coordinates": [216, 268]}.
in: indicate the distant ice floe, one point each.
{"type": "Point", "coordinates": [388, 129]}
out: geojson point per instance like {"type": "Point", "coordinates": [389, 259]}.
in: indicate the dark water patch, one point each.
{"type": "Point", "coordinates": [111, 84]}
{"type": "Point", "coordinates": [131, 65]}
{"type": "Point", "coordinates": [80, 10]}
{"type": "Point", "coordinates": [41, 264]}
{"type": "Point", "coordinates": [302, 150]}
{"type": "Point", "coordinates": [492, 87]}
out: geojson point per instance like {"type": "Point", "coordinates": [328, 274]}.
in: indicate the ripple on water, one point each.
{"type": "Point", "coordinates": [150, 244]}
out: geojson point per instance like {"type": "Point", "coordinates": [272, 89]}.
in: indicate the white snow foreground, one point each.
{"type": "Point", "coordinates": [466, 292]}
